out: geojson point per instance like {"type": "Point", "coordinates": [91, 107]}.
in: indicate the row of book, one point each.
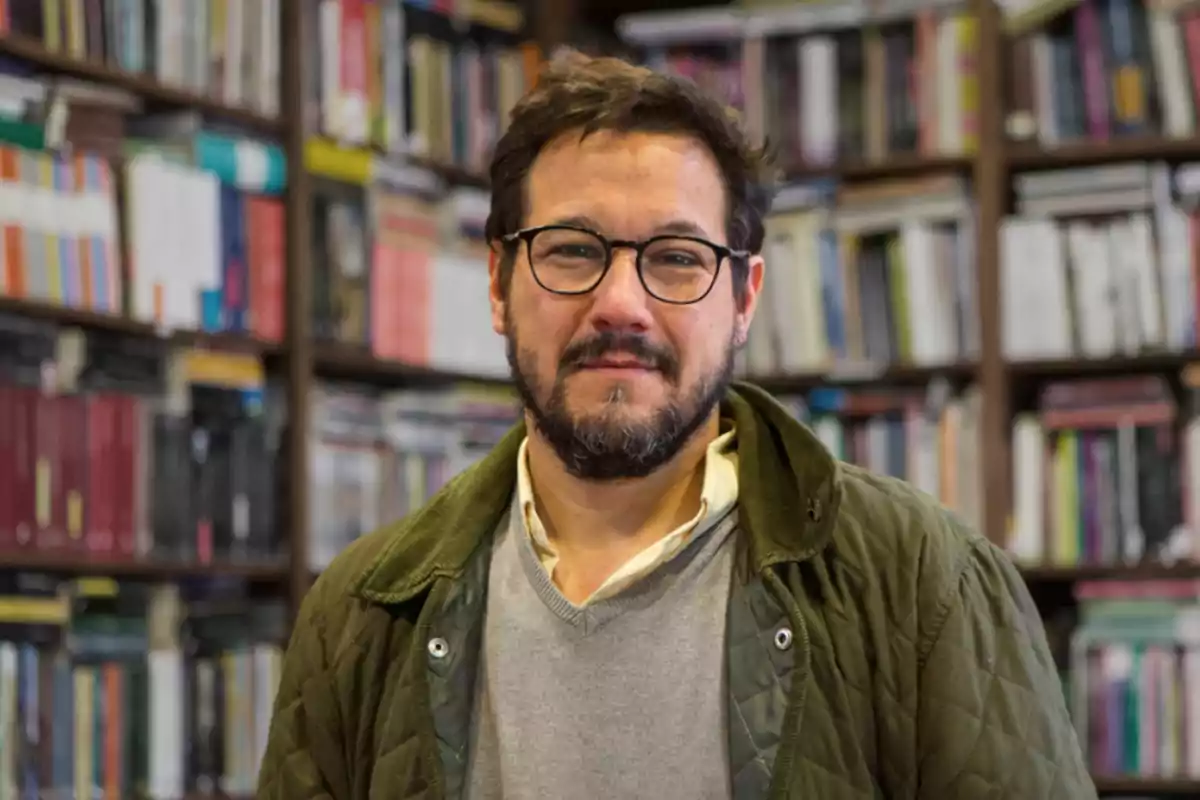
{"type": "Point", "coordinates": [400, 269]}
{"type": "Point", "coordinates": [201, 227]}
{"type": "Point", "coordinates": [876, 274]}
{"type": "Point", "coordinates": [855, 81]}
{"type": "Point", "coordinates": [59, 218]}
{"type": "Point", "coordinates": [1103, 69]}
{"type": "Point", "coordinates": [376, 456]}
{"type": "Point", "coordinates": [121, 690]}
{"type": "Point", "coordinates": [1100, 261]}
{"type": "Point", "coordinates": [1105, 472]}
{"type": "Point", "coordinates": [927, 436]}
{"type": "Point", "coordinates": [1132, 662]}
{"type": "Point", "coordinates": [228, 50]}
{"type": "Point", "coordinates": [821, 86]}
{"type": "Point", "coordinates": [433, 80]}
{"type": "Point", "coordinates": [203, 254]}
{"type": "Point", "coordinates": [399, 264]}
{"type": "Point", "coordinates": [117, 449]}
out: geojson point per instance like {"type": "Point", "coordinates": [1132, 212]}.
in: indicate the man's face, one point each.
{"type": "Point", "coordinates": [616, 380]}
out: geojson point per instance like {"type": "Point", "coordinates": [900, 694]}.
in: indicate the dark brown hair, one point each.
{"type": "Point", "coordinates": [576, 92]}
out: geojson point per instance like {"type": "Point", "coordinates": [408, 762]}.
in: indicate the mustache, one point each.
{"type": "Point", "coordinates": [612, 342]}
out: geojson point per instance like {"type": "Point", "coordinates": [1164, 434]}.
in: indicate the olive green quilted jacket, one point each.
{"type": "Point", "coordinates": [917, 668]}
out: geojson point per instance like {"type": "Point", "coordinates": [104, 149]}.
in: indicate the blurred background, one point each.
{"type": "Point", "coordinates": [243, 321]}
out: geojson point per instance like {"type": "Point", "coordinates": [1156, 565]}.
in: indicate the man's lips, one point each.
{"type": "Point", "coordinates": [616, 363]}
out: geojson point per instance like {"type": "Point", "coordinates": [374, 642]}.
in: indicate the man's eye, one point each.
{"type": "Point", "coordinates": [575, 251]}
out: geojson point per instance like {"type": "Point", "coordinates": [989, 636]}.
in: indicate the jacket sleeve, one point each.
{"type": "Point", "coordinates": [991, 717]}
{"type": "Point", "coordinates": [303, 758]}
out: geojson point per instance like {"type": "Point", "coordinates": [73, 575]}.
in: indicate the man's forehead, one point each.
{"type": "Point", "coordinates": [648, 150]}
{"type": "Point", "coordinates": [660, 177]}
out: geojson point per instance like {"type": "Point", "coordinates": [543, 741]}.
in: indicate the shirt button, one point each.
{"type": "Point", "coordinates": [783, 638]}
{"type": "Point", "coordinates": [438, 647]}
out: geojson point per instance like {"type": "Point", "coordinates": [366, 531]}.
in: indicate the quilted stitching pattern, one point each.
{"type": "Point", "coordinates": [759, 688]}
{"type": "Point", "coordinates": [930, 676]}
{"type": "Point", "coordinates": [291, 765]}
{"type": "Point", "coordinates": [992, 717]}
{"type": "Point", "coordinates": [452, 678]}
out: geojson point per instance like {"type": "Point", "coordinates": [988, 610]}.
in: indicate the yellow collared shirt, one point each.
{"type": "Point", "coordinates": [718, 494]}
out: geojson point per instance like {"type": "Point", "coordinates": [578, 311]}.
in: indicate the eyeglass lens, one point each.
{"type": "Point", "coordinates": [573, 262]}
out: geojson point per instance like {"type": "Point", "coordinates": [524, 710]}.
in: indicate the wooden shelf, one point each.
{"type": "Point", "coordinates": [84, 565]}
{"type": "Point", "coordinates": [350, 363]}
{"type": "Point", "coordinates": [1078, 367]}
{"type": "Point", "coordinates": [885, 376]}
{"type": "Point", "coordinates": [92, 320]}
{"type": "Point", "coordinates": [75, 317]}
{"type": "Point", "coordinates": [1087, 572]}
{"type": "Point", "coordinates": [894, 166]}
{"type": "Point", "coordinates": [453, 175]}
{"type": "Point", "coordinates": [228, 343]}
{"type": "Point", "coordinates": [1082, 154]}
{"type": "Point", "coordinates": [1182, 787]}
{"type": "Point", "coordinates": [141, 85]}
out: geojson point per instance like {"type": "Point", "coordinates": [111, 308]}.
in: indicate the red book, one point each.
{"type": "Point", "coordinates": [8, 457]}
{"type": "Point", "coordinates": [50, 526]}
{"type": "Point", "coordinates": [99, 537]}
{"type": "Point", "coordinates": [124, 495]}
{"type": "Point", "coordinates": [266, 251]}
{"type": "Point", "coordinates": [24, 464]}
{"type": "Point", "coordinates": [73, 474]}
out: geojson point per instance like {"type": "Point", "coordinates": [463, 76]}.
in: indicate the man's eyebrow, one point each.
{"type": "Point", "coordinates": [681, 227]}
{"type": "Point", "coordinates": [676, 227]}
{"type": "Point", "coordinates": [577, 221]}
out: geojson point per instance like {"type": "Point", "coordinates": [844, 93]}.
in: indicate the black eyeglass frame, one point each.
{"type": "Point", "coordinates": [527, 235]}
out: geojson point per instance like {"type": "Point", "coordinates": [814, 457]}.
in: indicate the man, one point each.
{"type": "Point", "coordinates": [659, 585]}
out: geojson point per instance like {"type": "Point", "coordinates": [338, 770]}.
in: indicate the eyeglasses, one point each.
{"type": "Point", "coordinates": [572, 261]}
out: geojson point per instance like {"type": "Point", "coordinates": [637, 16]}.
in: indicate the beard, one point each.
{"type": "Point", "coordinates": [608, 445]}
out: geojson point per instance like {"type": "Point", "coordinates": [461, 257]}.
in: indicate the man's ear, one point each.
{"type": "Point", "coordinates": [497, 292]}
{"type": "Point", "coordinates": [755, 270]}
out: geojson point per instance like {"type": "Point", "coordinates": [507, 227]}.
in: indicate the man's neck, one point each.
{"type": "Point", "coordinates": [612, 520]}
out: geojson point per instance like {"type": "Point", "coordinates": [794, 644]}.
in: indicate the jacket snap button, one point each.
{"type": "Point", "coordinates": [438, 647]}
{"type": "Point", "coordinates": [783, 639]}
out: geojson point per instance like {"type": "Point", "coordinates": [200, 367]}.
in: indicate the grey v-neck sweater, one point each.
{"type": "Point", "coordinates": [624, 698]}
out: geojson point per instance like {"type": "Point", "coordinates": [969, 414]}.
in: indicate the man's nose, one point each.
{"type": "Point", "coordinates": [621, 302]}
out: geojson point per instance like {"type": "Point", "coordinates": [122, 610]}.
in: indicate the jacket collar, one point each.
{"type": "Point", "coordinates": [788, 493]}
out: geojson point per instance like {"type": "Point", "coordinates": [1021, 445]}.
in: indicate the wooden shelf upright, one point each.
{"type": "Point", "coordinates": [297, 205]}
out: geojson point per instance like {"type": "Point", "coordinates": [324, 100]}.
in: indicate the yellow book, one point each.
{"type": "Point", "coordinates": [968, 55]}
{"type": "Point", "coordinates": [1066, 491]}
{"type": "Point", "coordinates": [898, 283]}
{"type": "Point", "coordinates": [85, 727]}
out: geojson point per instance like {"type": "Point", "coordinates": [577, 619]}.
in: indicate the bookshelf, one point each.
{"type": "Point", "coordinates": [277, 575]}
{"type": "Point", "coordinates": [35, 53]}
{"type": "Point", "coordinates": [867, 377]}
{"type": "Point", "coordinates": [1022, 157]}
{"type": "Point", "coordinates": [1157, 788]}
{"type": "Point", "coordinates": [895, 166]}
{"type": "Point", "coordinates": [98, 321]}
